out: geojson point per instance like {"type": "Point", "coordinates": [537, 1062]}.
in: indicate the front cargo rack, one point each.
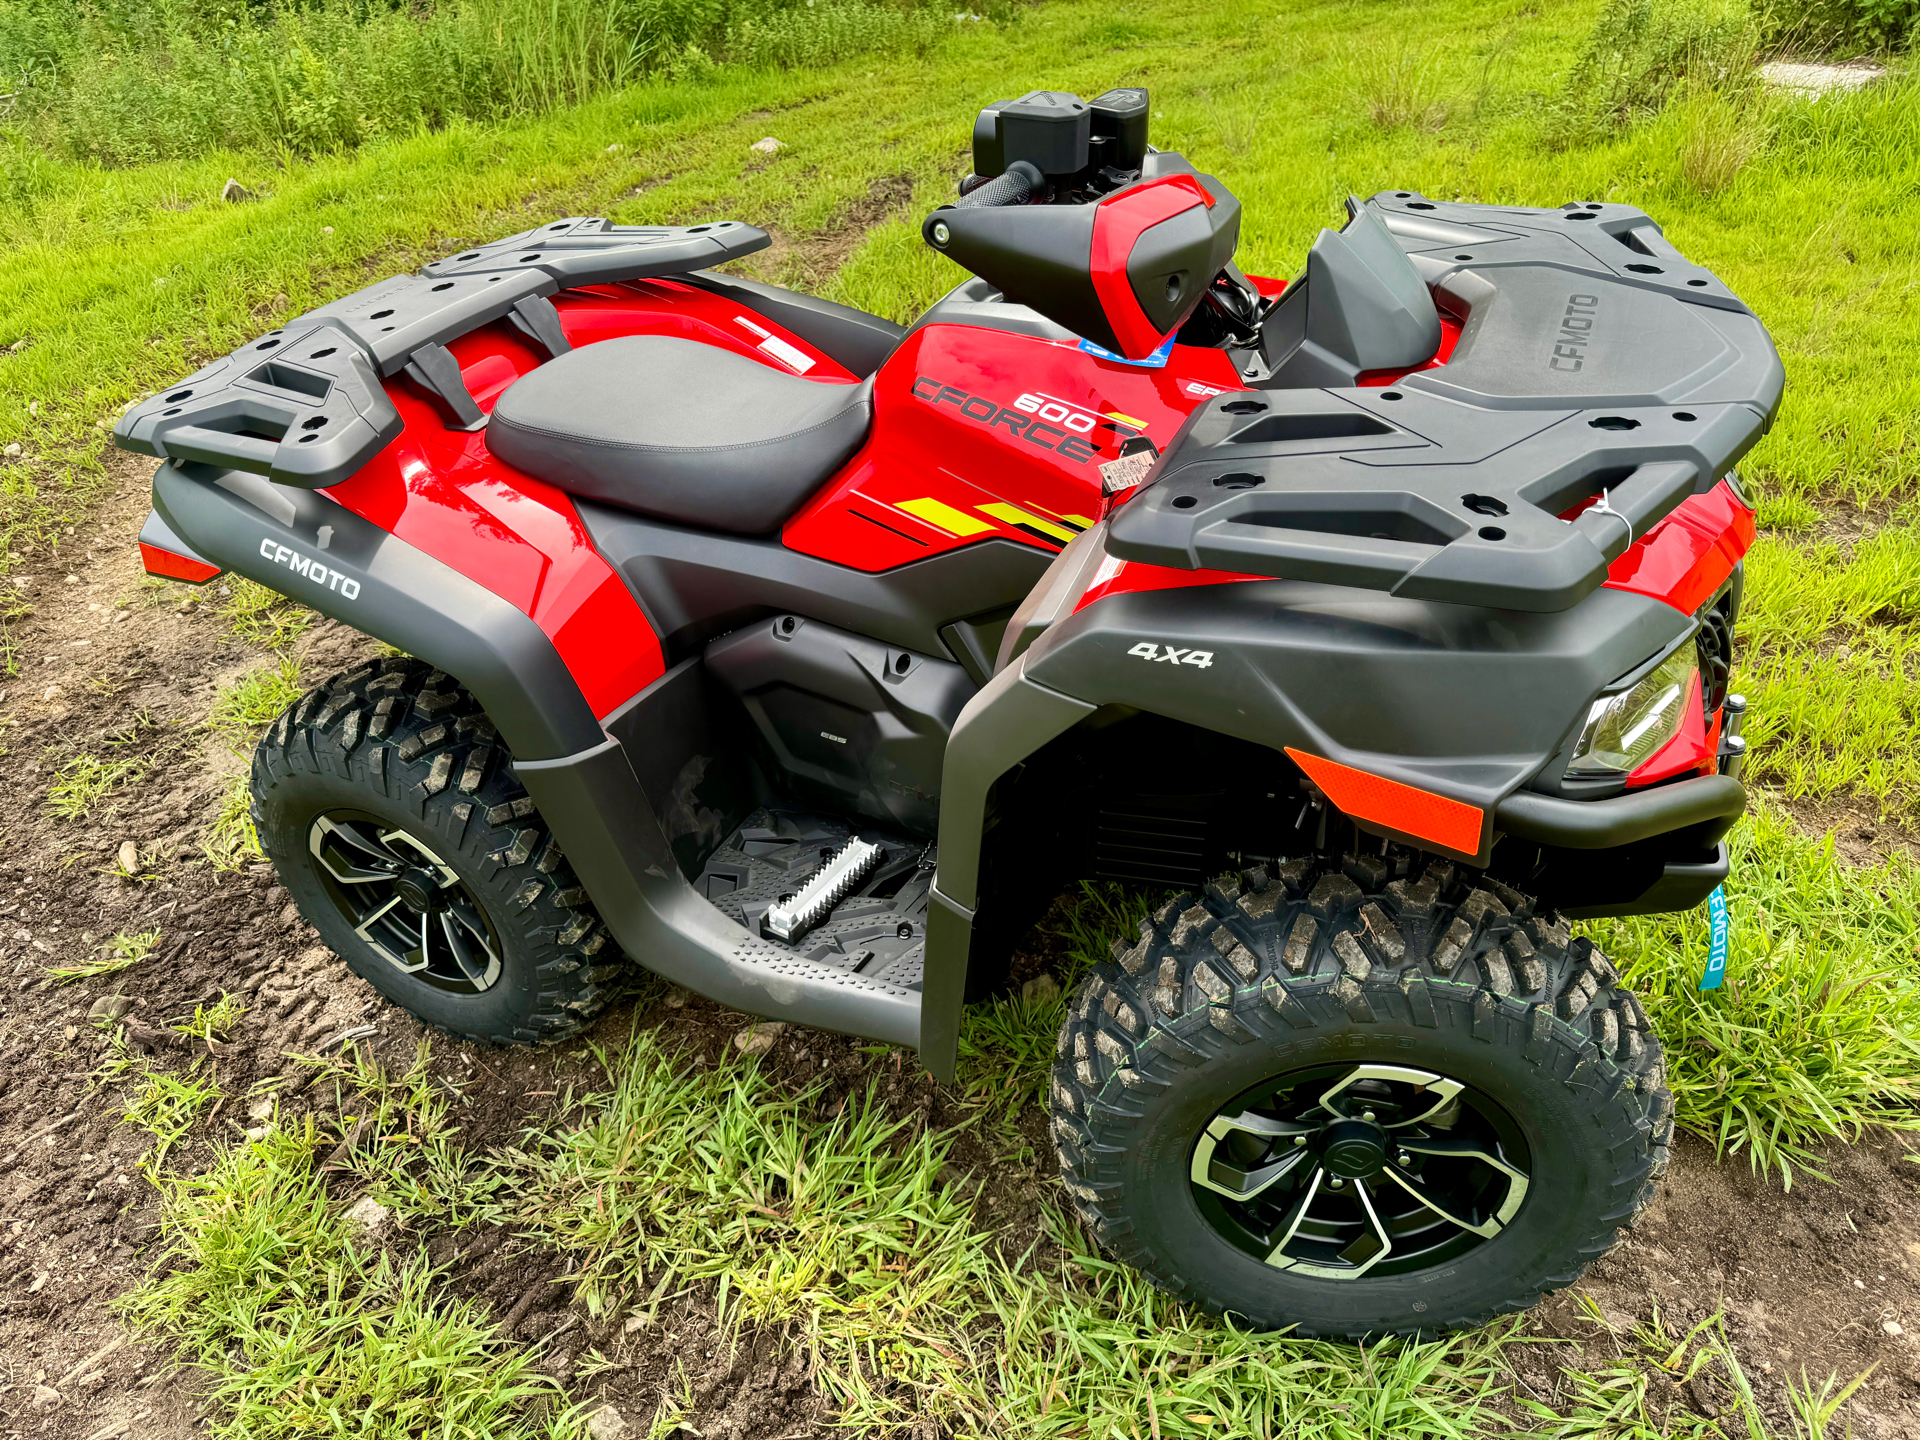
{"type": "Point", "coordinates": [1597, 371]}
{"type": "Point", "coordinates": [304, 404]}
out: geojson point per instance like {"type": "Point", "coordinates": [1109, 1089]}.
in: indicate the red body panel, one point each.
{"type": "Point", "coordinates": [1687, 557]}
{"type": "Point", "coordinates": [168, 566]}
{"type": "Point", "coordinates": [982, 433]}
{"type": "Point", "coordinates": [1451, 824]}
{"type": "Point", "coordinates": [444, 493]}
{"type": "Point", "coordinates": [1119, 222]}
{"type": "Point", "coordinates": [1122, 577]}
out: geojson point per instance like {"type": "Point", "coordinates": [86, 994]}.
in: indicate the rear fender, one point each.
{"type": "Point", "coordinates": [304, 545]}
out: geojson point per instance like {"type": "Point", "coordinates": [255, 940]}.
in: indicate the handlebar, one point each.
{"type": "Point", "coordinates": [1014, 186]}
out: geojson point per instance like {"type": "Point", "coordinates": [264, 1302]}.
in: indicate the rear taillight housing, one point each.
{"type": "Point", "coordinates": [169, 566]}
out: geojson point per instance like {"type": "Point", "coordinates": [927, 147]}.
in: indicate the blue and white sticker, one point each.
{"type": "Point", "coordinates": [1153, 362]}
{"type": "Point", "coordinates": [1717, 941]}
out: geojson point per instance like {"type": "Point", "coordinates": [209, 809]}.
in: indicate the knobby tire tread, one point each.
{"type": "Point", "coordinates": [1319, 945]}
{"type": "Point", "coordinates": [412, 734]}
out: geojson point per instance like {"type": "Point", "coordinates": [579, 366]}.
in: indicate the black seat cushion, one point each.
{"type": "Point", "coordinates": [680, 430]}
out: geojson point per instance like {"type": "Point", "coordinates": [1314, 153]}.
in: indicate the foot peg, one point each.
{"type": "Point", "coordinates": [789, 919]}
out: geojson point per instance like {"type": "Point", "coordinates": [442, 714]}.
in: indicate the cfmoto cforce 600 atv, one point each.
{"type": "Point", "coordinates": [1381, 615]}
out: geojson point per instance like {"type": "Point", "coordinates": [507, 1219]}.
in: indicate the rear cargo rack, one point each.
{"type": "Point", "coordinates": [1599, 376]}
{"type": "Point", "coordinates": [304, 404]}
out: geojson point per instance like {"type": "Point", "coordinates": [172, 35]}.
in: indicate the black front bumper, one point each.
{"type": "Point", "coordinates": [1648, 851]}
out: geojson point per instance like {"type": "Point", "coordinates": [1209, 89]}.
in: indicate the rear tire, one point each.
{"type": "Point", "coordinates": [1196, 1061]}
{"type": "Point", "coordinates": [392, 769]}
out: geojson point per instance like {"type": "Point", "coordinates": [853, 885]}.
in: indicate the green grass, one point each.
{"type": "Point", "coordinates": [229, 841]}
{"type": "Point", "coordinates": [256, 700]}
{"type": "Point", "coordinates": [1814, 1034]}
{"type": "Point", "coordinates": [125, 950]}
{"type": "Point", "coordinates": [263, 617]}
{"type": "Point", "coordinates": [83, 781]}
{"type": "Point", "coordinates": [216, 1022]}
{"type": "Point", "coordinates": [166, 1107]}
{"type": "Point", "coordinates": [1827, 643]}
{"type": "Point", "coordinates": [302, 1331]}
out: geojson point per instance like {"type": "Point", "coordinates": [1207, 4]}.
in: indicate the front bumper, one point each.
{"type": "Point", "coordinates": [1644, 852]}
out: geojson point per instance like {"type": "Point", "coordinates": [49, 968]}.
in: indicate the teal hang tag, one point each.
{"type": "Point", "coordinates": [1152, 362]}
{"type": "Point", "coordinates": [1717, 941]}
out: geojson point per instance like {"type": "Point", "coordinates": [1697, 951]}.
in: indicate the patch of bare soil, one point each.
{"type": "Point", "coordinates": [1862, 835]}
{"type": "Point", "coordinates": [1820, 1280]}
{"type": "Point", "coordinates": [805, 263]}
{"type": "Point", "coordinates": [1816, 1279]}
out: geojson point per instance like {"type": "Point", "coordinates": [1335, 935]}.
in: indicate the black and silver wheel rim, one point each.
{"type": "Point", "coordinates": [405, 902]}
{"type": "Point", "coordinates": [1340, 1172]}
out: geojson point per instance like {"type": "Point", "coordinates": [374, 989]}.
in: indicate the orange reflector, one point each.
{"type": "Point", "coordinates": [168, 566]}
{"type": "Point", "coordinates": [1407, 809]}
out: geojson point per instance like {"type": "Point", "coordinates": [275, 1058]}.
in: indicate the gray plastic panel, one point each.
{"type": "Point", "coordinates": [1593, 359]}
{"type": "Point", "coordinates": [401, 314]}
{"type": "Point", "coordinates": [304, 405]}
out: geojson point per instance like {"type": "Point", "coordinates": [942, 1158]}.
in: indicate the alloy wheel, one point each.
{"type": "Point", "coordinates": [405, 902]}
{"type": "Point", "coordinates": [1340, 1172]}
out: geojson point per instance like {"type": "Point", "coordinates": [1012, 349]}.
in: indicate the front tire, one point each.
{"type": "Point", "coordinates": [1354, 1102]}
{"type": "Point", "coordinates": [390, 809]}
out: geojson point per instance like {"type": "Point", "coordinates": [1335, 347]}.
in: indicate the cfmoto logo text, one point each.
{"type": "Point", "coordinates": [1147, 650]}
{"type": "Point", "coordinates": [306, 565]}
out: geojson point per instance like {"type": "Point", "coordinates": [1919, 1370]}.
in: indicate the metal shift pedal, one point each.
{"type": "Point", "coordinates": [809, 906]}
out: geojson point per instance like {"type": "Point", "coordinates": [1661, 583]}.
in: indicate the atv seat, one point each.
{"type": "Point", "coordinates": [680, 431]}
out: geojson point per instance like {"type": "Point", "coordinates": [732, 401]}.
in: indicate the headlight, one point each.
{"type": "Point", "coordinates": [1623, 731]}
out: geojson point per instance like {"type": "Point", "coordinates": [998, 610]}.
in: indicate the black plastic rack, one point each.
{"type": "Point", "coordinates": [1594, 360]}
{"type": "Point", "coordinates": [304, 405]}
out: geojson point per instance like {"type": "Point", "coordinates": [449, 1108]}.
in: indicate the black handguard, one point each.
{"type": "Point", "coordinates": [1014, 186]}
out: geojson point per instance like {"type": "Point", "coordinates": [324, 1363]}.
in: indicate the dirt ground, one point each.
{"type": "Point", "coordinates": [1821, 1279]}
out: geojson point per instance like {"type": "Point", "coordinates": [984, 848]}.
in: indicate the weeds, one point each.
{"type": "Point", "coordinates": [215, 1022]}
{"type": "Point", "coordinates": [167, 1107]}
{"type": "Point", "coordinates": [1721, 135]}
{"type": "Point", "coordinates": [117, 84]}
{"type": "Point", "coordinates": [231, 841]}
{"type": "Point", "coordinates": [116, 955]}
{"type": "Point", "coordinates": [256, 700]}
{"type": "Point", "coordinates": [1640, 51]}
{"type": "Point", "coordinates": [85, 780]}
{"type": "Point", "coordinates": [1399, 88]}
{"type": "Point", "coordinates": [263, 617]}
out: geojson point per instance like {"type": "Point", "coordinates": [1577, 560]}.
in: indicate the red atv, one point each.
{"type": "Point", "coordinates": [1383, 614]}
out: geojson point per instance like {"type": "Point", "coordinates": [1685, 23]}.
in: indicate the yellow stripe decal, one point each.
{"type": "Point", "coordinates": [954, 522]}
{"type": "Point", "coordinates": [1127, 420]}
{"type": "Point", "coordinates": [1014, 515]}
{"type": "Point", "coordinates": [1080, 520]}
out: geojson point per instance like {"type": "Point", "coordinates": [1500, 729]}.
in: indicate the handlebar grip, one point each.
{"type": "Point", "coordinates": [1012, 187]}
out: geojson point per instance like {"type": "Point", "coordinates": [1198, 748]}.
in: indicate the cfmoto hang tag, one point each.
{"type": "Point", "coordinates": [1717, 941]}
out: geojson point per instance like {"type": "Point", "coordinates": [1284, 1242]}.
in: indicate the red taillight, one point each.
{"type": "Point", "coordinates": [168, 566]}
